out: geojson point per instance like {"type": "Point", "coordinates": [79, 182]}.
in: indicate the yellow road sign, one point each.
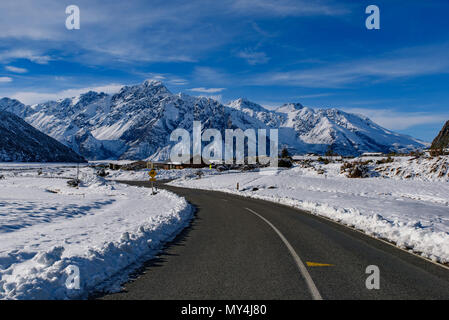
{"type": "Point", "coordinates": [152, 173]}
{"type": "Point", "coordinates": [153, 179]}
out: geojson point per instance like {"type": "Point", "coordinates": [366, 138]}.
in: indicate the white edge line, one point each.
{"type": "Point", "coordinates": [383, 240]}
{"type": "Point", "coordinates": [302, 268]}
{"type": "Point", "coordinates": [318, 215]}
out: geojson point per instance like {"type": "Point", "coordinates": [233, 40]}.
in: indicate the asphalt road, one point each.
{"type": "Point", "coordinates": [240, 248]}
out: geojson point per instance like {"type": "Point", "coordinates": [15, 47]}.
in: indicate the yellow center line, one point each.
{"type": "Point", "coordinates": [316, 264]}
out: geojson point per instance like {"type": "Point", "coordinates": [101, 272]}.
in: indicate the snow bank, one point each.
{"type": "Point", "coordinates": [422, 168]}
{"type": "Point", "coordinates": [412, 214]}
{"type": "Point", "coordinates": [103, 230]}
{"type": "Point", "coordinates": [399, 168]}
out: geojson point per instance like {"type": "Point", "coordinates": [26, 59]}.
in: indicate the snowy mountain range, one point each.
{"type": "Point", "coordinates": [136, 123]}
{"type": "Point", "coordinates": [20, 142]}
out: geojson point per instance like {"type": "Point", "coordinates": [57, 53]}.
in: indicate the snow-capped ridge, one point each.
{"type": "Point", "coordinates": [136, 123]}
{"type": "Point", "coordinates": [289, 107]}
{"type": "Point", "coordinates": [242, 103]}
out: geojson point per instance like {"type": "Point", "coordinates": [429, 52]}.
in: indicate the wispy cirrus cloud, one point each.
{"type": "Point", "coordinates": [399, 120]}
{"type": "Point", "coordinates": [32, 97]}
{"type": "Point", "coordinates": [35, 56]}
{"type": "Point", "coordinates": [254, 57]}
{"type": "Point", "coordinates": [211, 75]}
{"type": "Point", "coordinates": [207, 90]}
{"type": "Point", "coordinates": [147, 30]}
{"type": "Point", "coordinates": [405, 63]}
{"type": "Point", "coordinates": [5, 79]}
{"type": "Point", "coordinates": [16, 69]}
{"type": "Point", "coordinates": [290, 8]}
{"type": "Point", "coordinates": [155, 31]}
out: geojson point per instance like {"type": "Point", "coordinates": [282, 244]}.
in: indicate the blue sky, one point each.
{"type": "Point", "coordinates": [318, 53]}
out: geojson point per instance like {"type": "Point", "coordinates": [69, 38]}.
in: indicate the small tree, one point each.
{"type": "Point", "coordinates": [330, 151]}
{"type": "Point", "coordinates": [284, 153]}
{"type": "Point", "coordinates": [436, 152]}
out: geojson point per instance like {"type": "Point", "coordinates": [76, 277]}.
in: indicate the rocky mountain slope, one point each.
{"type": "Point", "coordinates": [442, 140]}
{"type": "Point", "coordinates": [306, 130]}
{"type": "Point", "coordinates": [23, 143]}
{"type": "Point", "coordinates": [136, 123]}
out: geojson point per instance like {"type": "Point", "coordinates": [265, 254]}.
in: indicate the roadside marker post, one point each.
{"type": "Point", "coordinates": [152, 175]}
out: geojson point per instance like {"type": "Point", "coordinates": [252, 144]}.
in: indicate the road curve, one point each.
{"type": "Point", "coordinates": [232, 251]}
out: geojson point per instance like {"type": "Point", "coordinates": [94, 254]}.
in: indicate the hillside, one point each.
{"type": "Point", "coordinates": [442, 140]}
{"type": "Point", "coordinates": [20, 142]}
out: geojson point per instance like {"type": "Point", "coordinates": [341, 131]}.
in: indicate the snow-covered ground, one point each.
{"type": "Point", "coordinates": [69, 170]}
{"type": "Point", "coordinates": [414, 214]}
{"type": "Point", "coordinates": [398, 168]}
{"type": "Point", "coordinates": [107, 229]}
{"type": "Point", "coordinates": [142, 175]}
{"type": "Point", "coordinates": [103, 228]}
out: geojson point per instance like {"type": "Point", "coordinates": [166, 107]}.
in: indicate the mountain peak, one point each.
{"type": "Point", "coordinates": [89, 97]}
{"type": "Point", "coordinates": [242, 103]}
{"type": "Point", "coordinates": [13, 105]}
{"type": "Point", "coordinates": [149, 88]}
{"type": "Point", "coordinates": [5, 102]}
{"type": "Point", "coordinates": [289, 107]}
{"type": "Point", "coordinates": [154, 87]}
{"type": "Point", "coordinates": [153, 83]}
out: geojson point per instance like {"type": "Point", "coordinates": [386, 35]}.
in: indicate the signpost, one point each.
{"type": "Point", "coordinates": [152, 175]}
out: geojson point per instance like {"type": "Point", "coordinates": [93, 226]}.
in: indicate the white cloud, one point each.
{"type": "Point", "coordinates": [396, 120]}
{"type": "Point", "coordinates": [5, 79]}
{"type": "Point", "coordinates": [210, 75]}
{"type": "Point", "coordinates": [404, 63]}
{"type": "Point", "coordinates": [16, 69]}
{"type": "Point", "coordinates": [177, 82]}
{"type": "Point", "coordinates": [312, 96]}
{"type": "Point", "coordinates": [149, 31]}
{"type": "Point", "coordinates": [146, 32]}
{"type": "Point", "coordinates": [32, 97]}
{"type": "Point", "coordinates": [254, 58]}
{"type": "Point", "coordinates": [207, 90]}
{"type": "Point", "coordinates": [32, 55]}
{"type": "Point", "coordinates": [286, 8]}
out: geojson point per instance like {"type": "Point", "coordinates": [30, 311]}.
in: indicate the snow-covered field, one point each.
{"type": "Point", "coordinates": [412, 213]}
{"type": "Point", "coordinates": [142, 175]}
{"type": "Point", "coordinates": [104, 229]}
